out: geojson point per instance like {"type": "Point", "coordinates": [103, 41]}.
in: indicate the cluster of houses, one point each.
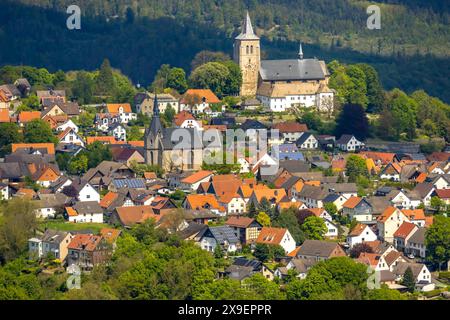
{"type": "Point", "coordinates": [214, 207]}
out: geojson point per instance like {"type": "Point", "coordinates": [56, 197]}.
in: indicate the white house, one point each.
{"type": "Point", "coordinates": [118, 131]}
{"type": "Point", "coordinates": [85, 212]}
{"type": "Point", "coordinates": [68, 124]}
{"type": "Point", "coordinates": [388, 222]}
{"type": "Point", "coordinates": [349, 143]}
{"type": "Point", "coordinates": [4, 191]}
{"type": "Point", "coordinates": [277, 236]}
{"type": "Point", "coordinates": [193, 181]}
{"type": "Point", "coordinates": [307, 141]}
{"type": "Point", "coordinates": [391, 172]}
{"type": "Point", "coordinates": [123, 110]}
{"type": "Point", "coordinates": [223, 236]}
{"type": "Point", "coordinates": [70, 136]}
{"type": "Point", "coordinates": [332, 229]}
{"type": "Point", "coordinates": [403, 199]}
{"type": "Point", "coordinates": [359, 234]}
{"type": "Point", "coordinates": [82, 191]}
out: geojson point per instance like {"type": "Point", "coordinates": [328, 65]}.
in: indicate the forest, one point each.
{"type": "Point", "coordinates": [139, 36]}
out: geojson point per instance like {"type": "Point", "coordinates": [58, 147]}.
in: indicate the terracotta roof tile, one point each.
{"type": "Point", "coordinates": [238, 221]}
{"type": "Point", "coordinates": [4, 115]}
{"type": "Point", "coordinates": [196, 177]}
{"type": "Point", "coordinates": [137, 214]}
{"type": "Point", "coordinates": [27, 116]}
{"type": "Point", "coordinates": [416, 214]}
{"type": "Point", "coordinates": [49, 146]}
{"type": "Point", "coordinates": [182, 116]}
{"type": "Point", "coordinates": [290, 127]}
{"type": "Point", "coordinates": [86, 242]}
{"type": "Point", "coordinates": [114, 107]}
{"type": "Point", "coordinates": [270, 235]}
{"type": "Point", "coordinates": [209, 96]}
{"type": "Point", "coordinates": [108, 199]}
{"type": "Point", "coordinates": [443, 193]}
{"type": "Point", "coordinates": [352, 202]}
{"type": "Point", "coordinates": [404, 230]}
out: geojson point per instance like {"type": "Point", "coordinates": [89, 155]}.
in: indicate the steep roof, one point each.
{"type": "Point", "coordinates": [247, 32]}
{"type": "Point", "coordinates": [196, 177]}
{"type": "Point", "coordinates": [114, 107]}
{"type": "Point", "coordinates": [290, 127]}
{"type": "Point", "coordinates": [358, 229]}
{"type": "Point", "coordinates": [270, 235]}
{"type": "Point", "coordinates": [182, 116]}
{"type": "Point", "coordinates": [238, 221]}
{"type": "Point", "coordinates": [134, 215]}
{"type": "Point", "coordinates": [404, 230]}
{"type": "Point", "coordinates": [4, 115]}
{"type": "Point", "coordinates": [108, 199]}
{"type": "Point", "coordinates": [206, 94]}
{"type": "Point", "coordinates": [317, 248]}
{"type": "Point", "coordinates": [352, 202]}
{"type": "Point", "coordinates": [198, 201]}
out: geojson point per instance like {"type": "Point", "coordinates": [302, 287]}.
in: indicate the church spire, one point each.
{"type": "Point", "coordinates": [300, 52]}
{"type": "Point", "coordinates": [155, 125]}
{"type": "Point", "coordinates": [247, 29]}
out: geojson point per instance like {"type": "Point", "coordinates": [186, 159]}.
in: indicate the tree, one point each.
{"type": "Point", "coordinates": [212, 75]}
{"type": "Point", "coordinates": [18, 225]}
{"type": "Point", "coordinates": [437, 240]}
{"type": "Point", "coordinates": [356, 167]}
{"type": "Point", "coordinates": [105, 80]}
{"type": "Point", "coordinates": [169, 114]}
{"type": "Point", "coordinates": [263, 288]}
{"type": "Point", "coordinates": [331, 208]}
{"type": "Point", "coordinates": [251, 210]}
{"type": "Point", "coordinates": [357, 249]}
{"type": "Point", "coordinates": [96, 153]}
{"type": "Point", "coordinates": [314, 228]}
{"type": "Point", "coordinates": [39, 131]}
{"type": "Point", "coordinates": [206, 56]}
{"type": "Point", "coordinates": [9, 133]}
{"type": "Point", "coordinates": [408, 280]}
{"type": "Point", "coordinates": [176, 79]}
{"type": "Point", "coordinates": [375, 92]}
{"type": "Point", "coordinates": [437, 204]}
{"type": "Point", "coordinates": [261, 252]}
{"type": "Point", "coordinates": [234, 81]}
{"type": "Point", "coordinates": [288, 219]}
{"type": "Point", "coordinates": [161, 78]}
{"type": "Point", "coordinates": [263, 219]}
{"type": "Point", "coordinates": [384, 293]}
{"type": "Point", "coordinates": [266, 207]}
{"type": "Point", "coordinates": [353, 120]}
{"type": "Point", "coordinates": [78, 165]}
{"type": "Point", "coordinates": [83, 87]}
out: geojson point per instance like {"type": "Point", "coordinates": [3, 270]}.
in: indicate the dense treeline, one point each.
{"type": "Point", "coordinates": [154, 34]}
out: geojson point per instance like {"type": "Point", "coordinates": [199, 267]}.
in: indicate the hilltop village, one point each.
{"type": "Point", "coordinates": [92, 183]}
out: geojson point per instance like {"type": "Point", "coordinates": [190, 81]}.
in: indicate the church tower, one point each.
{"type": "Point", "coordinates": [247, 55]}
{"type": "Point", "coordinates": [152, 134]}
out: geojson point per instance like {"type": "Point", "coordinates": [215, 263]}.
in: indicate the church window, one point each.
{"type": "Point", "coordinates": [247, 50]}
{"type": "Point", "coordinates": [251, 49]}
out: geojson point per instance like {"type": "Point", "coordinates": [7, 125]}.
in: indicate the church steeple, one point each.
{"type": "Point", "coordinates": [247, 32]}
{"type": "Point", "coordinates": [155, 125]}
{"type": "Point", "coordinates": [300, 52]}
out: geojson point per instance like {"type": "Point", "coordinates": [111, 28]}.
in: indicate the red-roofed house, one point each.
{"type": "Point", "coordinates": [391, 172]}
{"type": "Point", "coordinates": [123, 110]}
{"type": "Point", "coordinates": [87, 250]}
{"type": "Point", "coordinates": [4, 115]}
{"type": "Point", "coordinates": [27, 116]}
{"type": "Point", "coordinates": [185, 119]}
{"type": "Point", "coordinates": [199, 100]}
{"type": "Point", "coordinates": [246, 228]}
{"type": "Point", "coordinates": [444, 195]}
{"type": "Point", "coordinates": [291, 131]}
{"type": "Point", "coordinates": [193, 181]}
{"type": "Point", "coordinates": [70, 136]}
{"type": "Point", "coordinates": [277, 236]}
{"type": "Point", "coordinates": [388, 223]}
{"type": "Point", "coordinates": [402, 235]}
{"type": "Point", "coordinates": [359, 234]}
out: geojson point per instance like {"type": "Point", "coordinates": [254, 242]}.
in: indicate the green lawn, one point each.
{"type": "Point", "coordinates": [66, 226]}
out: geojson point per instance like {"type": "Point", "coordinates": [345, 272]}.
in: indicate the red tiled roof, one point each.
{"type": "Point", "coordinates": [108, 199]}
{"type": "Point", "coordinates": [114, 107]}
{"type": "Point", "coordinates": [352, 202]}
{"type": "Point", "coordinates": [290, 127]}
{"type": "Point", "coordinates": [196, 177]}
{"type": "Point", "coordinates": [86, 242]}
{"type": "Point", "coordinates": [4, 115]}
{"type": "Point", "coordinates": [201, 93]}
{"type": "Point", "coordinates": [49, 146]}
{"type": "Point", "coordinates": [404, 230]}
{"type": "Point", "coordinates": [27, 116]}
{"type": "Point", "coordinates": [270, 235]}
{"type": "Point", "coordinates": [238, 221]}
{"type": "Point", "coordinates": [443, 193]}
{"type": "Point", "coordinates": [182, 116]}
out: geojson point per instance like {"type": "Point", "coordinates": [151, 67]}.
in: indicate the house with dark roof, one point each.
{"type": "Point", "coordinates": [307, 141]}
{"type": "Point", "coordinates": [85, 212]}
{"type": "Point", "coordinates": [246, 228]}
{"type": "Point", "coordinates": [222, 236]}
{"type": "Point", "coordinates": [52, 242]}
{"type": "Point", "coordinates": [349, 143]}
{"type": "Point", "coordinates": [320, 250]}
{"type": "Point", "coordinates": [416, 244]}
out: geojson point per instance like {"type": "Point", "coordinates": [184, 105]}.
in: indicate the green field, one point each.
{"type": "Point", "coordinates": [66, 226]}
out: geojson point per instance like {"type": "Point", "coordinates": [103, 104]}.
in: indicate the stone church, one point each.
{"type": "Point", "coordinates": [173, 149]}
{"type": "Point", "coordinates": [280, 84]}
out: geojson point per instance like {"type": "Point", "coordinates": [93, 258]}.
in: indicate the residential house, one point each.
{"type": "Point", "coordinates": [223, 236]}
{"type": "Point", "coordinates": [319, 250]}
{"type": "Point", "coordinates": [312, 196]}
{"type": "Point", "coordinates": [290, 131]}
{"type": "Point", "coordinates": [389, 221]}
{"type": "Point", "coordinates": [49, 205]}
{"type": "Point", "coordinates": [416, 216]}
{"type": "Point", "coordinates": [373, 260]}
{"type": "Point", "coordinates": [349, 143]}
{"type": "Point", "coordinates": [87, 251]}
{"type": "Point", "coordinates": [123, 110]}
{"type": "Point", "coordinates": [203, 201]}
{"type": "Point", "coordinates": [421, 274]}
{"type": "Point", "coordinates": [118, 131]}
{"type": "Point", "coordinates": [25, 117]}
{"type": "Point", "coordinates": [193, 181]}
{"type": "Point", "coordinates": [130, 216]}
{"type": "Point", "coordinates": [287, 151]}
{"type": "Point", "coordinates": [82, 191]}
{"type": "Point", "coordinates": [402, 235]}
{"type": "Point", "coordinates": [85, 212]}
{"type": "Point", "coordinates": [444, 195]}
{"type": "Point", "coordinates": [198, 101]}
{"type": "Point", "coordinates": [358, 208]}
{"type": "Point", "coordinates": [416, 244]}
{"type": "Point", "coordinates": [307, 141]}
{"type": "Point", "coordinates": [67, 124]}
{"type": "Point", "coordinates": [391, 172]}
{"type": "Point", "coordinates": [359, 234]}
{"type": "Point", "coordinates": [336, 199]}
{"type": "Point", "coordinates": [276, 236]}
{"type": "Point", "coordinates": [345, 189]}
{"type": "Point", "coordinates": [242, 269]}
{"type": "Point", "coordinates": [70, 136]}
{"type": "Point", "coordinates": [4, 191]}
{"type": "Point", "coordinates": [247, 229]}
{"type": "Point", "coordinates": [185, 119]}
{"type": "Point", "coordinates": [424, 192]}
{"type": "Point", "coordinates": [274, 196]}
{"type": "Point", "coordinates": [52, 242]}
{"type": "Point", "coordinates": [301, 267]}
{"type": "Point", "coordinates": [143, 102]}
{"type": "Point", "coordinates": [404, 199]}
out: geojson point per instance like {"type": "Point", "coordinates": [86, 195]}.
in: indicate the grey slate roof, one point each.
{"type": "Point", "coordinates": [303, 138]}
{"type": "Point", "coordinates": [222, 234]}
{"type": "Point", "coordinates": [87, 207]}
{"type": "Point", "coordinates": [317, 248]}
{"type": "Point", "coordinates": [313, 192]}
{"type": "Point", "coordinates": [291, 69]}
{"type": "Point", "coordinates": [418, 236]}
{"type": "Point", "coordinates": [294, 166]}
{"type": "Point", "coordinates": [53, 236]}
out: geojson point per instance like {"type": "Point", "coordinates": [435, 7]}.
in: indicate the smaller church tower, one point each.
{"type": "Point", "coordinates": [152, 134]}
{"type": "Point", "coordinates": [247, 55]}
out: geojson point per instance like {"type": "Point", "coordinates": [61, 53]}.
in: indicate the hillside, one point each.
{"type": "Point", "coordinates": [174, 32]}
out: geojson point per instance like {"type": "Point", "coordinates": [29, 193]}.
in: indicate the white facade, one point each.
{"type": "Point", "coordinates": [119, 133]}
{"type": "Point", "coordinates": [236, 205]}
{"type": "Point", "coordinates": [68, 124]}
{"type": "Point", "coordinates": [209, 244]}
{"type": "Point", "coordinates": [402, 200]}
{"type": "Point", "coordinates": [45, 213]}
{"type": "Point", "coordinates": [352, 145]}
{"type": "Point", "coordinates": [4, 193]}
{"type": "Point", "coordinates": [288, 242]}
{"type": "Point", "coordinates": [366, 235]}
{"type": "Point", "coordinates": [72, 137]}
{"type": "Point", "coordinates": [332, 229]}
{"type": "Point", "coordinates": [310, 143]}
{"type": "Point", "coordinates": [88, 193]}
{"type": "Point", "coordinates": [87, 218]}
{"type": "Point", "coordinates": [282, 104]}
